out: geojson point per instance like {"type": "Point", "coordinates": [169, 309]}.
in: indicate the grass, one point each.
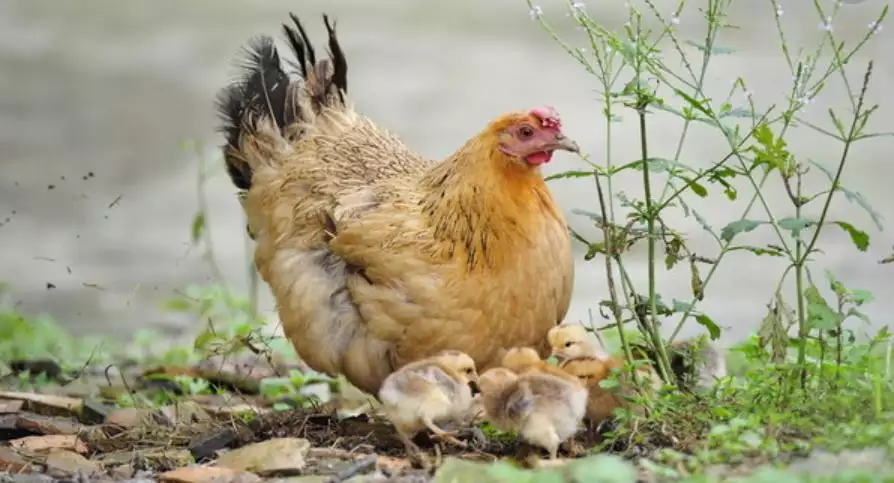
{"type": "Point", "coordinates": [805, 381]}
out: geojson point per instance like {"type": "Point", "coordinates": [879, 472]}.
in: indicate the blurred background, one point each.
{"type": "Point", "coordinates": [98, 100]}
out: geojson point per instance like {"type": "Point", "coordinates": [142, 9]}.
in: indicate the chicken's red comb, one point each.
{"type": "Point", "coordinates": [548, 115]}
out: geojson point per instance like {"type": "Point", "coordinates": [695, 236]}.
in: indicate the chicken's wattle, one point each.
{"type": "Point", "coordinates": [538, 158]}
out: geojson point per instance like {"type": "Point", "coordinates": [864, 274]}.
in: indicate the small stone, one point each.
{"type": "Point", "coordinates": [279, 456]}
{"type": "Point", "coordinates": [11, 461]}
{"type": "Point", "coordinates": [53, 441]}
{"type": "Point", "coordinates": [62, 463]}
{"type": "Point", "coordinates": [36, 423]}
{"type": "Point", "coordinates": [126, 418]}
{"type": "Point", "coordinates": [186, 412]}
{"type": "Point", "coordinates": [122, 472]}
{"type": "Point", "coordinates": [205, 474]}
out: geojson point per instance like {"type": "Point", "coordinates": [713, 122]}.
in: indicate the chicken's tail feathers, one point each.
{"type": "Point", "coordinates": [265, 96]}
{"type": "Point", "coordinates": [326, 80]}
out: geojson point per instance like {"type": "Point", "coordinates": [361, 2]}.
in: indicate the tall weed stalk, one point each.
{"type": "Point", "coordinates": [635, 69]}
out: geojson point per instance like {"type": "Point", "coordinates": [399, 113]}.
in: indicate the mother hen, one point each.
{"type": "Point", "coordinates": [378, 257]}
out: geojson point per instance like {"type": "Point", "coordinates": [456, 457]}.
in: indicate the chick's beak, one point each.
{"type": "Point", "coordinates": [564, 142]}
{"type": "Point", "coordinates": [473, 385]}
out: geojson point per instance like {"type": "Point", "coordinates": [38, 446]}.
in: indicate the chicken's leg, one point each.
{"type": "Point", "coordinates": [445, 436]}
{"type": "Point", "coordinates": [413, 452]}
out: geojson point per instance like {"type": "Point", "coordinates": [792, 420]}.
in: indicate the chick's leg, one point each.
{"type": "Point", "coordinates": [413, 452]}
{"type": "Point", "coordinates": [447, 437]}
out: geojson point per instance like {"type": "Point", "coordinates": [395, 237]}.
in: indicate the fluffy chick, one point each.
{"type": "Point", "coordinates": [523, 359]}
{"type": "Point", "coordinates": [424, 393]}
{"type": "Point", "coordinates": [572, 340]}
{"type": "Point", "coordinates": [544, 409]}
{"type": "Point", "coordinates": [602, 402]}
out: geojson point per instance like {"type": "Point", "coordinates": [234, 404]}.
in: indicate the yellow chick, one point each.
{"type": "Point", "coordinates": [424, 393]}
{"type": "Point", "coordinates": [523, 359]}
{"type": "Point", "coordinates": [545, 410]}
{"type": "Point", "coordinates": [572, 340]}
{"type": "Point", "coordinates": [601, 402]}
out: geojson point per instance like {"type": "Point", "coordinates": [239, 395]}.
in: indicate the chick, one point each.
{"type": "Point", "coordinates": [571, 340]}
{"type": "Point", "coordinates": [523, 359]}
{"type": "Point", "coordinates": [424, 393]}
{"type": "Point", "coordinates": [602, 402]}
{"type": "Point", "coordinates": [542, 408]}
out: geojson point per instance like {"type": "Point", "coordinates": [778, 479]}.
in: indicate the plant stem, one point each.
{"type": "Point", "coordinates": [657, 343]}
{"type": "Point", "coordinates": [609, 272]}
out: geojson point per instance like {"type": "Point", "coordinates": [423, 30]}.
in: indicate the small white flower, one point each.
{"type": "Point", "coordinates": [747, 93]}
{"type": "Point", "coordinates": [675, 20]}
{"type": "Point", "coordinates": [536, 12]}
{"type": "Point", "coordinates": [875, 27]}
{"type": "Point", "coordinates": [827, 25]}
{"type": "Point", "coordinates": [779, 10]}
{"type": "Point", "coordinates": [578, 6]}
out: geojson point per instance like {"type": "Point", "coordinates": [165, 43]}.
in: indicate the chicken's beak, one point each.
{"type": "Point", "coordinates": [564, 142]}
{"type": "Point", "coordinates": [473, 385]}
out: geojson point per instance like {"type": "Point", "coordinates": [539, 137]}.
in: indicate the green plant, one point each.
{"type": "Point", "coordinates": [635, 71]}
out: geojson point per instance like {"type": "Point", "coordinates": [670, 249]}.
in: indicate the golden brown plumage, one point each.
{"type": "Point", "coordinates": [543, 409]}
{"type": "Point", "coordinates": [376, 256]}
{"type": "Point", "coordinates": [422, 394]}
{"type": "Point", "coordinates": [523, 359]}
{"type": "Point", "coordinates": [601, 402]}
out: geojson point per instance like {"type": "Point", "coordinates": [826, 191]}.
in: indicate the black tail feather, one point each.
{"type": "Point", "coordinates": [339, 62]}
{"type": "Point", "coordinates": [263, 90]}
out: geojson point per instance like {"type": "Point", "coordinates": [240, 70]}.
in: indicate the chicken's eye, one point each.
{"type": "Point", "coordinates": [569, 343]}
{"type": "Point", "coordinates": [469, 370]}
{"type": "Point", "coordinates": [525, 132]}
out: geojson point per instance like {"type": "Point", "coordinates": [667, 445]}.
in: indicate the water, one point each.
{"type": "Point", "coordinates": [96, 102]}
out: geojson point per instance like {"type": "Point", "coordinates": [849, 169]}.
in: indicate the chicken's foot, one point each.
{"type": "Point", "coordinates": [445, 436]}
{"type": "Point", "coordinates": [414, 453]}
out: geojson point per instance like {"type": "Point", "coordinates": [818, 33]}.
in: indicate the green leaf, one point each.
{"type": "Point", "coordinates": [819, 314]}
{"type": "Point", "coordinates": [771, 251]}
{"type": "Point", "coordinates": [741, 226]}
{"type": "Point", "coordinates": [570, 174]}
{"type": "Point", "coordinates": [795, 225]}
{"type": "Point", "coordinates": [608, 383]}
{"type": "Point", "coordinates": [700, 105]}
{"type": "Point", "coordinates": [708, 323]}
{"type": "Point", "coordinates": [178, 305]}
{"type": "Point", "coordinates": [715, 50]}
{"type": "Point", "coordinates": [861, 296]}
{"type": "Point", "coordinates": [738, 113]}
{"type": "Point", "coordinates": [198, 226]}
{"type": "Point", "coordinates": [696, 188]}
{"type": "Point", "coordinates": [859, 238]}
{"type": "Point", "coordinates": [680, 306]}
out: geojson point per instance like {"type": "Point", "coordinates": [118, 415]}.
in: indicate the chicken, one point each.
{"type": "Point", "coordinates": [545, 410]}
{"type": "Point", "coordinates": [523, 359]}
{"type": "Point", "coordinates": [376, 256]}
{"type": "Point", "coordinates": [696, 362]}
{"type": "Point", "coordinates": [571, 340]}
{"type": "Point", "coordinates": [601, 402]}
{"type": "Point", "coordinates": [429, 391]}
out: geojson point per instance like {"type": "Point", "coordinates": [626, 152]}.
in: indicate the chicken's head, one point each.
{"type": "Point", "coordinates": [532, 136]}
{"type": "Point", "coordinates": [519, 359]}
{"type": "Point", "coordinates": [567, 341]}
{"type": "Point", "coordinates": [461, 364]}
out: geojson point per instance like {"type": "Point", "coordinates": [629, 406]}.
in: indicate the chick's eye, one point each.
{"type": "Point", "coordinates": [469, 370]}
{"type": "Point", "coordinates": [526, 131]}
{"type": "Point", "coordinates": [568, 344]}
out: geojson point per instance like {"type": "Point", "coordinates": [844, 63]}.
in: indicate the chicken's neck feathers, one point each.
{"type": "Point", "coordinates": [484, 206]}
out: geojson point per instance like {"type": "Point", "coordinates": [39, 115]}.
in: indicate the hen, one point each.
{"type": "Point", "coordinates": [376, 256]}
